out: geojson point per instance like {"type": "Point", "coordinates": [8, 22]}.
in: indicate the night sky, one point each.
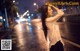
{"type": "Point", "coordinates": [28, 5]}
{"type": "Point", "coordinates": [24, 5]}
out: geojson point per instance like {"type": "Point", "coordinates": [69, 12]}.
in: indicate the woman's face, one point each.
{"type": "Point", "coordinates": [50, 11]}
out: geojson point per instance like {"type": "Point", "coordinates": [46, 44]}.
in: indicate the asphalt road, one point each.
{"type": "Point", "coordinates": [27, 37]}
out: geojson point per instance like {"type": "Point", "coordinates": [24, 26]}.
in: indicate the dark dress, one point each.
{"type": "Point", "coordinates": [57, 47]}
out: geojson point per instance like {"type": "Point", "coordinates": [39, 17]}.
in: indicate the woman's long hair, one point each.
{"type": "Point", "coordinates": [44, 13]}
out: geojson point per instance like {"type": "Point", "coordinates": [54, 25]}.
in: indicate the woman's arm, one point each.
{"type": "Point", "coordinates": [57, 16]}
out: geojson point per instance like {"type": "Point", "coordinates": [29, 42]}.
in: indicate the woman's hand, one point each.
{"type": "Point", "coordinates": [59, 11]}
{"type": "Point", "coordinates": [59, 14]}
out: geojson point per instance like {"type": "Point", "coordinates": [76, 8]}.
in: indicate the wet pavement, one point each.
{"type": "Point", "coordinates": [24, 39]}
{"type": "Point", "coordinates": [30, 40]}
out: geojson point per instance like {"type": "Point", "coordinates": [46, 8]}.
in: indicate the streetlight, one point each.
{"type": "Point", "coordinates": [13, 1]}
{"type": "Point", "coordinates": [25, 13]}
{"type": "Point", "coordinates": [35, 4]}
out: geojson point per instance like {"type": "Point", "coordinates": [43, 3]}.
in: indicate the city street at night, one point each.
{"type": "Point", "coordinates": [39, 25]}
{"type": "Point", "coordinates": [26, 38]}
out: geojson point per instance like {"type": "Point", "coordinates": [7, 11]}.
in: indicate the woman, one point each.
{"type": "Point", "coordinates": [48, 21]}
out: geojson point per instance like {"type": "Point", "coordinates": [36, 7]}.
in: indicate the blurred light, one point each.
{"type": "Point", "coordinates": [31, 14]}
{"type": "Point", "coordinates": [4, 19]}
{"type": "Point", "coordinates": [21, 20]}
{"type": "Point", "coordinates": [34, 4]}
{"type": "Point", "coordinates": [27, 10]}
{"type": "Point", "coordinates": [29, 17]}
{"type": "Point", "coordinates": [25, 13]}
{"type": "Point", "coordinates": [13, 1]}
{"type": "Point", "coordinates": [18, 14]}
{"type": "Point", "coordinates": [29, 23]}
{"type": "Point", "coordinates": [28, 14]}
{"type": "Point", "coordinates": [1, 17]}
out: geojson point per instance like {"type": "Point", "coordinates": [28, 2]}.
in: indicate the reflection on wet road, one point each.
{"type": "Point", "coordinates": [30, 37]}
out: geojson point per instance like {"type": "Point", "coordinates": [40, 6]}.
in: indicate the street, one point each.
{"type": "Point", "coordinates": [30, 37]}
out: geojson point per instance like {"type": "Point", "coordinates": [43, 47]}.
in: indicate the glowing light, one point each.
{"type": "Point", "coordinates": [28, 14]}
{"type": "Point", "coordinates": [18, 14]}
{"type": "Point", "coordinates": [1, 17]}
{"type": "Point", "coordinates": [29, 23]}
{"type": "Point", "coordinates": [4, 19]}
{"type": "Point", "coordinates": [31, 14]}
{"type": "Point", "coordinates": [34, 4]}
{"type": "Point", "coordinates": [13, 1]}
{"type": "Point", "coordinates": [25, 13]}
{"type": "Point", "coordinates": [29, 17]}
{"type": "Point", "coordinates": [21, 20]}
